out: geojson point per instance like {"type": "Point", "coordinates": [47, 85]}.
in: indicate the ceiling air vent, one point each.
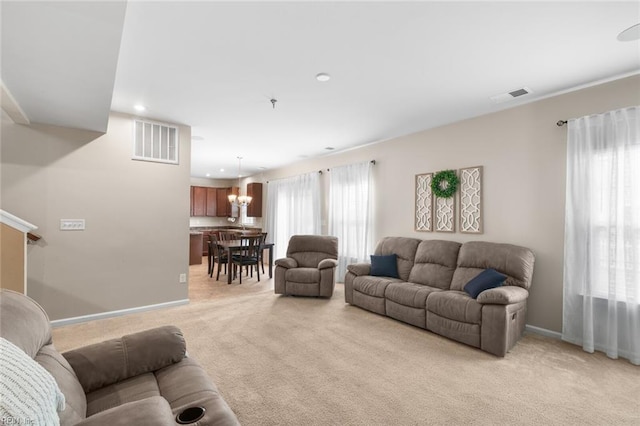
{"type": "Point", "coordinates": [511, 95]}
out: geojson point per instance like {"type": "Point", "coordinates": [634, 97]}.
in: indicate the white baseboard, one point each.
{"type": "Point", "coordinates": [110, 314]}
{"type": "Point", "coordinates": [542, 331]}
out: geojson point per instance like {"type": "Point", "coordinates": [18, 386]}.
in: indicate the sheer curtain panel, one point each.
{"type": "Point", "coordinates": [601, 308]}
{"type": "Point", "coordinates": [293, 207]}
{"type": "Point", "coordinates": [350, 213]}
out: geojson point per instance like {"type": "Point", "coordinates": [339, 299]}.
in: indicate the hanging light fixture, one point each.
{"type": "Point", "coordinates": [239, 200]}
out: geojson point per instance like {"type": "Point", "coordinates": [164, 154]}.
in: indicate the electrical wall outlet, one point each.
{"type": "Point", "coordinates": [183, 278]}
{"type": "Point", "coordinates": [72, 224]}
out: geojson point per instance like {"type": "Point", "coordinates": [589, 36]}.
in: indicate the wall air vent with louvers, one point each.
{"type": "Point", "coordinates": [155, 142]}
{"type": "Point", "coordinates": [511, 95]}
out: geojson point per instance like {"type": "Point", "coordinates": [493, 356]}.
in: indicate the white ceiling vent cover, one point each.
{"type": "Point", "coordinates": [511, 95]}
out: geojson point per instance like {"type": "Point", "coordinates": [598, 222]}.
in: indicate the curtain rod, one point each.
{"type": "Point", "coordinates": [372, 162]}
{"type": "Point", "coordinates": [561, 123]}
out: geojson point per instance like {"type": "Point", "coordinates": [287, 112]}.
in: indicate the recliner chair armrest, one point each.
{"type": "Point", "coordinates": [504, 295]}
{"type": "Point", "coordinates": [327, 263]}
{"type": "Point", "coordinates": [114, 360]}
{"type": "Point", "coordinates": [286, 262]}
{"type": "Point", "coordinates": [154, 410]}
{"type": "Point", "coordinates": [359, 269]}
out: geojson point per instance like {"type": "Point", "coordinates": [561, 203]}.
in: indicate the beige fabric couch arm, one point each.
{"type": "Point", "coordinates": [286, 262]}
{"type": "Point", "coordinates": [327, 263]}
{"type": "Point", "coordinates": [359, 269]}
{"type": "Point", "coordinates": [505, 295]}
{"type": "Point", "coordinates": [114, 360]}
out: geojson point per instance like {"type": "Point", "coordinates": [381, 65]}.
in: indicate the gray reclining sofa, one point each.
{"type": "Point", "coordinates": [429, 290]}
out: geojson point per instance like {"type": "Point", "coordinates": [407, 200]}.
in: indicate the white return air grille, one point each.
{"type": "Point", "coordinates": [504, 97]}
{"type": "Point", "coordinates": [155, 142]}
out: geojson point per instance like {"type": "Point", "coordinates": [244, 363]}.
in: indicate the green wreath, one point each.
{"type": "Point", "coordinates": [444, 184]}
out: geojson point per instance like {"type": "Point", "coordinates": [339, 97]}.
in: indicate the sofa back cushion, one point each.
{"type": "Point", "coordinates": [24, 322]}
{"type": "Point", "coordinates": [435, 263]}
{"type": "Point", "coordinates": [513, 261]}
{"type": "Point", "coordinates": [405, 248]}
{"type": "Point", "coordinates": [309, 250]}
{"type": "Point", "coordinates": [26, 325]}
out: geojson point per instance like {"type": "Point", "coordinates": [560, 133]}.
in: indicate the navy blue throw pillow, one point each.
{"type": "Point", "coordinates": [384, 266]}
{"type": "Point", "coordinates": [489, 278]}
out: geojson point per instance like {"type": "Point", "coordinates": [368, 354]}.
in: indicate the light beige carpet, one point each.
{"type": "Point", "coordinates": [305, 361]}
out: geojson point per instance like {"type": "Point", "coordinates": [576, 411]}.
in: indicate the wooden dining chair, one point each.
{"type": "Point", "coordinates": [226, 236]}
{"type": "Point", "coordinates": [249, 256]}
{"type": "Point", "coordinates": [217, 255]}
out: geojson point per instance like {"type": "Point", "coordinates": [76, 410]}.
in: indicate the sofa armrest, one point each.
{"type": "Point", "coordinates": [505, 295]}
{"type": "Point", "coordinates": [114, 360]}
{"type": "Point", "coordinates": [154, 410]}
{"type": "Point", "coordinates": [286, 262]}
{"type": "Point", "coordinates": [327, 263]}
{"type": "Point", "coordinates": [359, 269]}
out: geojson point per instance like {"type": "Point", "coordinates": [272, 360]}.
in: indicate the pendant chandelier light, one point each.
{"type": "Point", "coordinates": [239, 200]}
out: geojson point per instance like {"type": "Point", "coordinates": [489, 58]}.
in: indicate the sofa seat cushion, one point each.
{"type": "Point", "coordinates": [455, 305]}
{"type": "Point", "coordinates": [303, 275]}
{"type": "Point", "coordinates": [149, 411]}
{"type": "Point", "coordinates": [133, 389]}
{"type": "Point", "coordinates": [373, 286]}
{"type": "Point", "coordinates": [409, 294]}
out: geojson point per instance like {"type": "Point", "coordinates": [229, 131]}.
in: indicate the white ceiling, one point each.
{"type": "Point", "coordinates": [396, 67]}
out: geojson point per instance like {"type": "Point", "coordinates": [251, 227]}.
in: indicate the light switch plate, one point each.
{"type": "Point", "coordinates": [72, 224]}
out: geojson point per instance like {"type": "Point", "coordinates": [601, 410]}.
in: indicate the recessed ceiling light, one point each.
{"type": "Point", "coordinates": [222, 170]}
{"type": "Point", "coordinates": [139, 108]}
{"type": "Point", "coordinates": [208, 174]}
{"type": "Point", "coordinates": [323, 76]}
{"type": "Point", "coordinates": [630, 34]}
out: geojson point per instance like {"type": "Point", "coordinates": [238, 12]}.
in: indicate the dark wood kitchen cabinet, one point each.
{"type": "Point", "coordinates": [198, 200]}
{"type": "Point", "coordinates": [212, 202]}
{"type": "Point", "coordinates": [254, 190]}
{"type": "Point", "coordinates": [222, 195]}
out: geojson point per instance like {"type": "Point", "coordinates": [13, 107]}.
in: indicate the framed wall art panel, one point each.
{"type": "Point", "coordinates": [445, 214]}
{"type": "Point", "coordinates": [424, 203]}
{"type": "Point", "coordinates": [471, 200]}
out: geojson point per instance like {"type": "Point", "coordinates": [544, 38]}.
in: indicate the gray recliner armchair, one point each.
{"type": "Point", "coordinates": [309, 268]}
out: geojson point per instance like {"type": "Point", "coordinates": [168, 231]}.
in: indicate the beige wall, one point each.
{"type": "Point", "coordinates": [136, 241]}
{"type": "Point", "coordinates": [523, 153]}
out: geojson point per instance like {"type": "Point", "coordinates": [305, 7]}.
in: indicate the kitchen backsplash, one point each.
{"type": "Point", "coordinates": [222, 221]}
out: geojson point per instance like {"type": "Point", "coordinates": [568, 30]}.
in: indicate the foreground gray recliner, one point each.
{"type": "Point", "coordinates": [140, 379]}
{"type": "Point", "coordinates": [309, 268]}
{"type": "Point", "coordinates": [429, 290]}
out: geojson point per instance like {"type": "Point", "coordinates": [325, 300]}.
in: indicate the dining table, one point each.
{"type": "Point", "coordinates": [236, 245]}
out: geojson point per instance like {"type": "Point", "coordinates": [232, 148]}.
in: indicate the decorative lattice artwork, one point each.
{"type": "Point", "coordinates": [445, 213]}
{"type": "Point", "coordinates": [471, 200]}
{"type": "Point", "coordinates": [424, 202]}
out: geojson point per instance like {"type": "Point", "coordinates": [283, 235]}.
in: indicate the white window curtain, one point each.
{"type": "Point", "coordinates": [601, 309]}
{"type": "Point", "coordinates": [350, 213]}
{"type": "Point", "coordinates": [293, 208]}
